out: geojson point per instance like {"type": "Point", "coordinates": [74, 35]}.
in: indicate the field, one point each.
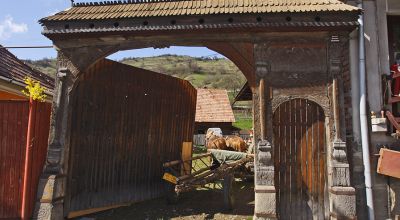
{"type": "Point", "coordinates": [200, 71]}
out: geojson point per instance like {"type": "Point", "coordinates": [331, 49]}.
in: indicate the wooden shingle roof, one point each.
{"type": "Point", "coordinates": [213, 106]}
{"type": "Point", "coordinates": [245, 93]}
{"type": "Point", "coordinates": [14, 70]}
{"type": "Point", "coordinates": [157, 8]}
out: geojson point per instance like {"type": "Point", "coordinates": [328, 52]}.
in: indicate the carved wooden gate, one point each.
{"type": "Point", "coordinates": [299, 140]}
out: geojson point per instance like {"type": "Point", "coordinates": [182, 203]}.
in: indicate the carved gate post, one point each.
{"type": "Point", "coordinates": [265, 193]}
{"type": "Point", "coordinates": [52, 182]}
{"type": "Point", "coordinates": [52, 188]}
{"type": "Point", "coordinates": [341, 194]}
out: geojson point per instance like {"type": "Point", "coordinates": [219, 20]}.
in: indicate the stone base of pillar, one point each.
{"type": "Point", "coordinates": [50, 198]}
{"type": "Point", "coordinates": [265, 203]}
{"type": "Point", "coordinates": [343, 203]}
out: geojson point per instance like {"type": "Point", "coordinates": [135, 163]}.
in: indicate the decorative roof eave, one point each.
{"type": "Point", "coordinates": [164, 8]}
{"type": "Point", "coordinates": [266, 23]}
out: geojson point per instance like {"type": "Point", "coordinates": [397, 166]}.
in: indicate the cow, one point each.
{"type": "Point", "coordinates": [215, 142]}
{"type": "Point", "coordinates": [236, 143]}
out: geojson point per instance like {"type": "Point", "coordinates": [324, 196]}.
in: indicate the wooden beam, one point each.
{"type": "Point", "coordinates": [389, 163]}
{"type": "Point", "coordinates": [392, 120]}
{"type": "Point", "coordinates": [336, 114]}
{"type": "Point", "coordinates": [75, 214]}
{"type": "Point", "coordinates": [186, 168]}
{"type": "Point", "coordinates": [262, 108]}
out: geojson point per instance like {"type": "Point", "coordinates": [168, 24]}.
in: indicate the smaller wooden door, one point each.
{"type": "Point", "coordinates": [299, 147]}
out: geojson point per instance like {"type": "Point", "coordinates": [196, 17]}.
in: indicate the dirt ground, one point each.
{"type": "Point", "coordinates": [195, 205]}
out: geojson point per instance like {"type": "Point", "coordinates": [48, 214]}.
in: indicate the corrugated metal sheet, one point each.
{"type": "Point", "coordinates": [126, 122]}
{"type": "Point", "coordinates": [13, 128]}
{"type": "Point", "coordinates": [198, 7]}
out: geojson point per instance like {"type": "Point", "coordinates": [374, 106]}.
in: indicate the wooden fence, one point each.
{"type": "Point", "coordinates": [199, 139]}
{"type": "Point", "coordinates": [13, 131]}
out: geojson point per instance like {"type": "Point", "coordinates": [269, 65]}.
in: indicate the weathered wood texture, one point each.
{"type": "Point", "coordinates": [299, 140]}
{"type": "Point", "coordinates": [125, 123]}
{"type": "Point", "coordinates": [389, 163]}
{"type": "Point", "coordinates": [13, 131]}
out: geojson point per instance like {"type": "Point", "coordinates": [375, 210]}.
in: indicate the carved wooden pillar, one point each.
{"type": "Point", "coordinates": [265, 193]}
{"type": "Point", "coordinates": [52, 189]}
{"type": "Point", "coordinates": [52, 183]}
{"type": "Point", "coordinates": [342, 195]}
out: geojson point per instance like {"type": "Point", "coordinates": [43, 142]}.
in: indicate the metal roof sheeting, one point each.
{"type": "Point", "coordinates": [140, 9]}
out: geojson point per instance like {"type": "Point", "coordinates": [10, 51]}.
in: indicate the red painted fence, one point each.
{"type": "Point", "coordinates": [13, 131]}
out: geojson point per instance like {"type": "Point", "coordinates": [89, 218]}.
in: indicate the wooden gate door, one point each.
{"type": "Point", "coordinates": [299, 140]}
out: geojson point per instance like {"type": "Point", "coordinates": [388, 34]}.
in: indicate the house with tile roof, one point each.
{"type": "Point", "coordinates": [213, 110]}
{"type": "Point", "coordinates": [13, 71]}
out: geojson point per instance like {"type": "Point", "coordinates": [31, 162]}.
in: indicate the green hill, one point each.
{"type": "Point", "coordinates": [201, 72]}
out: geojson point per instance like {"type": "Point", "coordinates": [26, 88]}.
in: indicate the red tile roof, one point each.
{"type": "Point", "coordinates": [213, 106]}
{"type": "Point", "coordinates": [14, 69]}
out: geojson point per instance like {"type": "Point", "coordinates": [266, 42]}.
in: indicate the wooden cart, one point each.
{"type": "Point", "coordinates": [181, 176]}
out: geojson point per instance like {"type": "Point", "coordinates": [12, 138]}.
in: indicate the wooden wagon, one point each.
{"type": "Point", "coordinates": [180, 176]}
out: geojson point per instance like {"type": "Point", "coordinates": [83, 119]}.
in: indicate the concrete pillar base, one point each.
{"type": "Point", "coordinates": [265, 203]}
{"type": "Point", "coordinates": [51, 198]}
{"type": "Point", "coordinates": [343, 203]}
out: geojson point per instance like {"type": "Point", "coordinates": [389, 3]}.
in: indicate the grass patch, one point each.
{"type": "Point", "coordinates": [243, 123]}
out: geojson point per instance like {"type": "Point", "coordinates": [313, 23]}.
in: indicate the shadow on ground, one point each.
{"type": "Point", "coordinates": [200, 204]}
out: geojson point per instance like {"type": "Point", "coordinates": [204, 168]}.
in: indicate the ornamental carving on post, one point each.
{"type": "Point", "coordinates": [265, 169]}
{"type": "Point", "coordinates": [340, 164]}
{"type": "Point", "coordinates": [264, 155]}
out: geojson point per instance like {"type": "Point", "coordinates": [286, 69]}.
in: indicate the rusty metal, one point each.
{"type": "Point", "coordinates": [125, 123]}
{"type": "Point", "coordinates": [13, 130]}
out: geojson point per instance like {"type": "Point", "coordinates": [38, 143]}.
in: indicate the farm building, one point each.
{"type": "Point", "coordinates": [213, 110]}
{"type": "Point", "coordinates": [12, 74]}
{"type": "Point", "coordinates": [245, 94]}
{"type": "Point", "coordinates": [19, 177]}
{"type": "Point", "coordinates": [295, 57]}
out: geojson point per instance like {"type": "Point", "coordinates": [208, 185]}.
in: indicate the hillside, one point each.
{"type": "Point", "coordinates": [201, 72]}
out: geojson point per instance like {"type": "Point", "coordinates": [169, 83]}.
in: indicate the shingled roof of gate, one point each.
{"type": "Point", "coordinates": [159, 8]}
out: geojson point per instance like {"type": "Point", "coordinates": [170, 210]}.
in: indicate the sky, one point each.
{"type": "Point", "coordinates": [19, 27]}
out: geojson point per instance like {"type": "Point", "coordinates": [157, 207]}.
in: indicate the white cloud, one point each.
{"type": "Point", "coordinates": [9, 27]}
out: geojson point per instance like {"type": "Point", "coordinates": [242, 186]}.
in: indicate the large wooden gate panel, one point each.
{"type": "Point", "coordinates": [299, 140]}
{"type": "Point", "coordinates": [125, 123]}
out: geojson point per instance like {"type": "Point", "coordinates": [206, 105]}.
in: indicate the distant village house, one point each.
{"type": "Point", "coordinates": [213, 110]}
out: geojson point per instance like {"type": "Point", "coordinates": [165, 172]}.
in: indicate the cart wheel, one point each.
{"type": "Point", "coordinates": [170, 194]}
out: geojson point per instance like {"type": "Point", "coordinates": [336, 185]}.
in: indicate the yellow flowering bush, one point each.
{"type": "Point", "coordinates": [34, 90]}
